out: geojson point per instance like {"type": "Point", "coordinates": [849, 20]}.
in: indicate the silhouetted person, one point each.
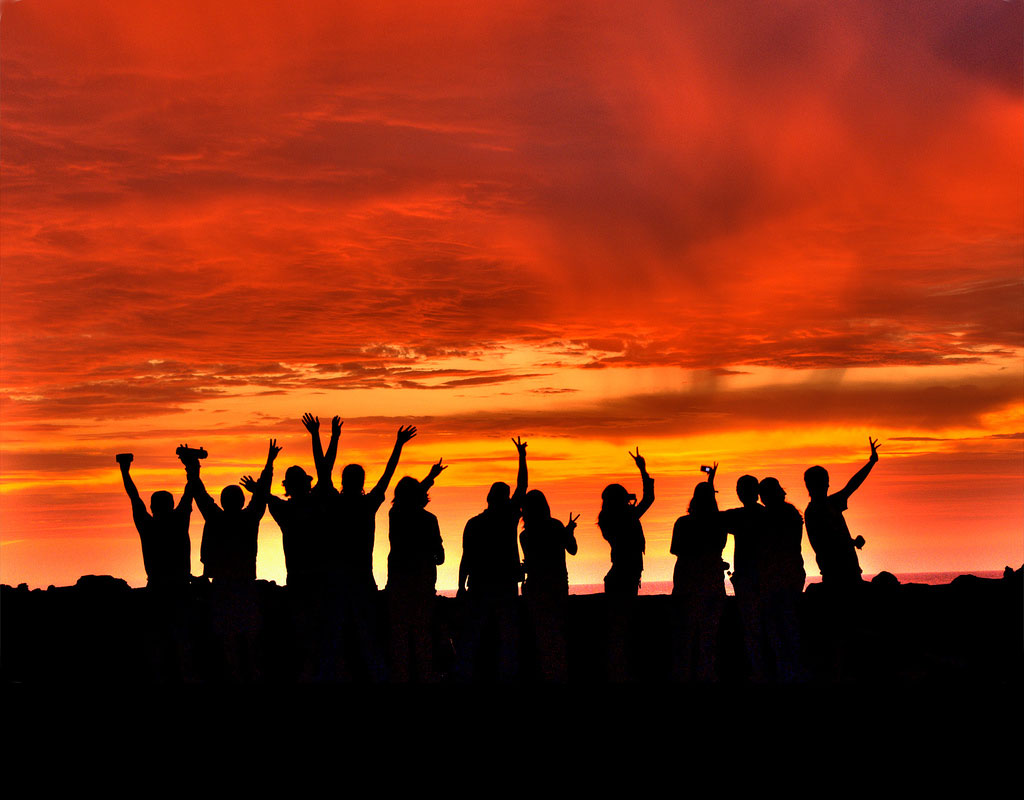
{"type": "Point", "coordinates": [747, 525]}
{"type": "Point", "coordinates": [416, 551]}
{"type": "Point", "coordinates": [489, 575]}
{"type": "Point", "coordinates": [698, 585]}
{"type": "Point", "coordinates": [166, 549]}
{"type": "Point", "coordinates": [302, 518]}
{"type": "Point", "coordinates": [349, 553]}
{"type": "Point", "coordinates": [782, 581]}
{"type": "Point", "coordinates": [545, 542]}
{"type": "Point", "coordinates": [619, 521]}
{"type": "Point", "coordinates": [228, 553]}
{"type": "Point", "coordinates": [166, 556]}
{"type": "Point", "coordinates": [834, 549]}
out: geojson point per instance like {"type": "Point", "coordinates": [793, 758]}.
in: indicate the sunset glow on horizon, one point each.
{"type": "Point", "coordinates": [752, 234]}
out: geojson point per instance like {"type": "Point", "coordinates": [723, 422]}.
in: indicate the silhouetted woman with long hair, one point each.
{"type": "Point", "coordinates": [698, 585]}
{"type": "Point", "coordinates": [545, 541]}
{"type": "Point", "coordinates": [619, 521]}
{"type": "Point", "coordinates": [416, 552]}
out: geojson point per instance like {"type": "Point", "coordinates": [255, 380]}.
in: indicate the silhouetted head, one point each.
{"type": "Point", "coordinates": [296, 482]}
{"type": "Point", "coordinates": [772, 493]}
{"type": "Point", "coordinates": [232, 499]}
{"type": "Point", "coordinates": [703, 501]}
{"type": "Point", "coordinates": [535, 507]}
{"type": "Point", "coordinates": [161, 503]}
{"type": "Point", "coordinates": [747, 489]}
{"type": "Point", "coordinates": [353, 478]}
{"type": "Point", "coordinates": [499, 495]}
{"type": "Point", "coordinates": [409, 494]}
{"type": "Point", "coordinates": [616, 498]}
{"type": "Point", "coordinates": [816, 481]}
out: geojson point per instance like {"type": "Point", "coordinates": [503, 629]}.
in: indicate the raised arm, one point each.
{"type": "Point", "coordinates": [648, 496]}
{"type": "Point", "coordinates": [261, 491]}
{"type": "Point", "coordinates": [332, 446]}
{"type": "Point", "coordinates": [521, 477]}
{"type": "Point", "coordinates": [124, 460]}
{"type": "Point", "coordinates": [323, 466]}
{"type": "Point", "coordinates": [435, 470]}
{"type": "Point", "coordinates": [712, 473]}
{"type": "Point", "coordinates": [858, 478]}
{"type": "Point", "coordinates": [570, 535]}
{"type": "Point", "coordinates": [194, 487]}
{"type": "Point", "coordinates": [405, 433]}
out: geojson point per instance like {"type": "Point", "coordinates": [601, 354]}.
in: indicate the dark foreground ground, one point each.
{"type": "Point", "coordinates": [99, 631]}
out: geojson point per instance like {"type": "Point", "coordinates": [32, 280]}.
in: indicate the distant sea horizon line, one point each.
{"type": "Point", "coordinates": [665, 587]}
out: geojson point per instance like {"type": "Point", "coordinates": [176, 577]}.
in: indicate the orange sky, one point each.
{"type": "Point", "coordinates": [750, 233]}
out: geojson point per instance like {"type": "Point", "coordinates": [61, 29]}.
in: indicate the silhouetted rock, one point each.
{"type": "Point", "coordinates": [102, 631]}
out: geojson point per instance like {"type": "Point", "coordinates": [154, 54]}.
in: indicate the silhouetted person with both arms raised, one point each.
{"type": "Point", "coordinates": [416, 552]}
{"type": "Point", "coordinates": [166, 556]}
{"type": "Point", "coordinates": [489, 576]}
{"type": "Point", "coordinates": [166, 549]}
{"type": "Point", "coordinates": [349, 554]}
{"type": "Point", "coordinates": [545, 542]}
{"type": "Point", "coordinates": [748, 525]}
{"type": "Point", "coordinates": [836, 553]}
{"type": "Point", "coordinates": [228, 552]}
{"type": "Point", "coordinates": [698, 585]}
{"type": "Point", "coordinates": [619, 521]}
{"type": "Point", "coordinates": [781, 582]}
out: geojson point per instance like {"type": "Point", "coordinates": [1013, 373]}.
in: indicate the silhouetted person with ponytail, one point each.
{"type": "Point", "coordinates": [619, 521]}
{"type": "Point", "coordinates": [545, 542]}
{"type": "Point", "coordinates": [698, 585]}
{"type": "Point", "coordinates": [782, 582]}
{"type": "Point", "coordinates": [748, 526]}
{"type": "Point", "coordinates": [489, 576]}
{"type": "Point", "coordinates": [416, 551]}
{"type": "Point", "coordinates": [228, 553]}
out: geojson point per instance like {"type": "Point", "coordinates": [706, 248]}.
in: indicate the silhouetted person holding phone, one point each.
{"type": "Point", "coordinates": [748, 526]}
{"type": "Point", "coordinates": [782, 581]}
{"type": "Point", "coordinates": [349, 554]}
{"type": "Point", "coordinates": [489, 575]}
{"type": "Point", "coordinates": [619, 521]}
{"type": "Point", "coordinates": [416, 552]}
{"type": "Point", "coordinates": [698, 585]}
{"type": "Point", "coordinates": [166, 556]}
{"type": "Point", "coordinates": [834, 548]}
{"type": "Point", "coordinates": [228, 553]}
{"type": "Point", "coordinates": [545, 542]}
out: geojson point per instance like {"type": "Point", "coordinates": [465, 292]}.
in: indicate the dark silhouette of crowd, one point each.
{"type": "Point", "coordinates": [328, 538]}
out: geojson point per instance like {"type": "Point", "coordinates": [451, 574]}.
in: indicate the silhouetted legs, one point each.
{"type": "Point", "coordinates": [548, 608]}
{"type": "Point", "coordinates": [751, 609]}
{"type": "Point", "coordinates": [235, 622]}
{"type": "Point", "coordinates": [696, 620]}
{"type": "Point", "coordinates": [484, 610]}
{"type": "Point", "coordinates": [412, 630]}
